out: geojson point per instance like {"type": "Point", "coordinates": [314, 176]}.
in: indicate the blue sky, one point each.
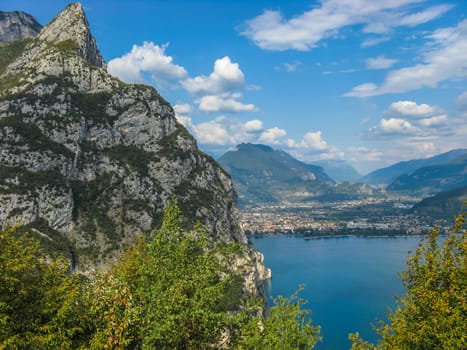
{"type": "Point", "coordinates": [369, 81]}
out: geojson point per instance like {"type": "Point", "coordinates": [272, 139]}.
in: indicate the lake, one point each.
{"type": "Point", "coordinates": [350, 282]}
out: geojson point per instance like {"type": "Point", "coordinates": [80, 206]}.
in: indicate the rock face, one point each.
{"type": "Point", "coordinates": [17, 25]}
{"type": "Point", "coordinates": [94, 160]}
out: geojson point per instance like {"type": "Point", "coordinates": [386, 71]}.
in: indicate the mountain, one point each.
{"type": "Point", "coordinates": [88, 163]}
{"type": "Point", "coordinates": [264, 175]}
{"type": "Point", "coordinates": [17, 25]}
{"type": "Point", "coordinates": [444, 205]}
{"type": "Point", "coordinates": [339, 170]}
{"type": "Point", "coordinates": [386, 176]}
{"type": "Point", "coordinates": [433, 179]}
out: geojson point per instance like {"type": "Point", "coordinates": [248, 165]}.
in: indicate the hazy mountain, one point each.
{"type": "Point", "coordinates": [387, 175]}
{"type": "Point", "coordinates": [263, 174]}
{"type": "Point", "coordinates": [88, 163]}
{"type": "Point", "coordinates": [17, 25]}
{"type": "Point", "coordinates": [433, 179]}
{"type": "Point", "coordinates": [339, 170]}
{"type": "Point", "coordinates": [446, 205]}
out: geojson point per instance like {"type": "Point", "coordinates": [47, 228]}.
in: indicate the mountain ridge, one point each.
{"type": "Point", "coordinates": [263, 174]}
{"type": "Point", "coordinates": [432, 179]}
{"type": "Point", "coordinates": [386, 175]}
{"type": "Point", "coordinates": [17, 25]}
{"type": "Point", "coordinates": [89, 163]}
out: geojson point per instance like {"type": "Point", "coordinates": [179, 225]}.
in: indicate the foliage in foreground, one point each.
{"type": "Point", "coordinates": [433, 312]}
{"type": "Point", "coordinates": [173, 291]}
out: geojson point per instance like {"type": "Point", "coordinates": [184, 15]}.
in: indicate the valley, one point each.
{"type": "Point", "coordinates": [372, 216]}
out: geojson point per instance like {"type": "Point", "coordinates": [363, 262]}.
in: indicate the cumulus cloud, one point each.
{"type": "Point", "coordinates": [253, 125]}
{"type": "Point", "coordinates": [223, 131]}
{"type": "Point", "coordinates": [271, 31]}
{"type": "Point", "coordinates": [395, 126]}
{"type": "Point", "coordinates": [226, 76]}
{"type": "Point", "coordinates": [412, 109]}
{"type": "Point", "coordinates": [443, 60]}
{"type": "Point", "coordinates": [183, 108]}
{"type": "Point", "coordinates": [186, 121]}
{"type": "Point", "coordinates": [412, 125]}
{"type": "Point", "coordinates": [213, 103]}
{"type": "Point", "coordinates": [148, 58]}
{"type": "Point", "coordinates": [310, 141]}
{"type": "Point", "coordinates": [434, 121]}
{"type": "Point", "coordinates": [273, 136]}
{"type": "Point", "coordinates": [380, 62]}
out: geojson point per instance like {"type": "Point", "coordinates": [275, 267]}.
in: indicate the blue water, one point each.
{"type": "Point", "coordinates": [350, 282]}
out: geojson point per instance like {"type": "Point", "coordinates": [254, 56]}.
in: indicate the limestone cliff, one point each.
{"type": "Point", "coordinates": [17, 25]}
{"type": "Point", "coordinates": [89, 163]}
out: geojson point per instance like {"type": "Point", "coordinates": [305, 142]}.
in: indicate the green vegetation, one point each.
{"type": "Point", "coordinates": [67, 46]}
{"type": "Point", "coordinates": [36, 140]}
{"type": "Point", "coordinates": [92, 200]}
{"type": "Point", "coordinates": [93, 106]}
{"type": "Point", "coordinates": [176, 290]}
{"type": "Point", "coordinates": [173, 291]}
{"type": "Point", "coordinates": [433, 312]}
{"type": "Point", "coordinates": [9, 52]}
{"type": "Point", "coordinates": [135, 157]}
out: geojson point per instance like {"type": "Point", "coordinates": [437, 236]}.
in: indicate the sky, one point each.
{"type": "Point", "coordinates": [372, 82]}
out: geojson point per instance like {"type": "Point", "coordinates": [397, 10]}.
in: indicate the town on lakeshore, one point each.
{"type": "Point", "coordinates": [366, 217]}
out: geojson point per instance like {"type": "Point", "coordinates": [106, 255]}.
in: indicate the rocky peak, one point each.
{"type": "Point", "coordinates": [17, 25]}
{"type": "Point", "coordinates": [71, 25]}
{"type": "Point", "coordinates": [65, 47]}
{"type": "Point", "coordinates": [89, 163]}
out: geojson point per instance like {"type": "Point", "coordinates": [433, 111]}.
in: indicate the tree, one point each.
{"type": "Point", "coordinates": [287, 327]}
{"type": "Point", "coordinates": [38, 308]}
{"type": "Point", "coordinates": [433, 312]}
{"type": "Point", "coordinates": [175, 291]}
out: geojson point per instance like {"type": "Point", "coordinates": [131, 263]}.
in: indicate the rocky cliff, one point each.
{"type": "Point", "coordinates": [17, 25]}
{"type": "Point", "coordinates": [89, 163]}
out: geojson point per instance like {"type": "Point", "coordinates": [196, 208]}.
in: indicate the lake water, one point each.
{"type": "Point", "coordinates": [350, 282]}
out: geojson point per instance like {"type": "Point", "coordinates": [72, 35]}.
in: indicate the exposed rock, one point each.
{"type": "Point", "coordinates": [97, 160]}
{"type": "Point", "coordinates": [17, 25]}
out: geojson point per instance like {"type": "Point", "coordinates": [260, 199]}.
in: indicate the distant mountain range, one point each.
{"type": "Point", "coordinates": [17, 25]}
{"type": "Point", "coordinates": [265, 175]}
{"type": "Point", "coordinates": [386, 176]}
{"type": "Point", "coordinates": [339, 170]}
{"type": "Point", "coordinates": [262, 174]}
{"type": "Point", "coordinates": [443, 205]}
{"type": "Point", "coordinates": [433, 179]}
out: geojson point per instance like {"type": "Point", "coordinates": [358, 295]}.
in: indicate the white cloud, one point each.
{"type": "Point", "coordinates": [227, 132]}
{"type": "Point", "coordinates": [424, 16]}
{"type": "Point", "coordinates": [186, 121]}
{"type": "Point", "coordinates": [183, 108]}
{"type": "Point", "coordinates": [271, 31]}
{"type": "Point", "coordinates": [213, 133]}
{"type": "Point", "coordinates": [226, 76]}
{"type": "Point", "coordinates": [213, 103]}
{"type": "Point", "coordinates": [380, 62]}
{"type": "Point", "coordinates": [411, 109]}
{"type": "Point", "coordinates": [253, 125]}
{"type": "Point", "coordinates": [443, 60]}
{"type": "Point", "coordinates": [395, 126]}
{"type": "Point", "coordinates": [273, 136]}
{"type": "Point", "coordinates": [434, 121]}
{"type": "Point", "coordinates": [148, 58]}
{"type": "Point", "coordinates": [314, 141]}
